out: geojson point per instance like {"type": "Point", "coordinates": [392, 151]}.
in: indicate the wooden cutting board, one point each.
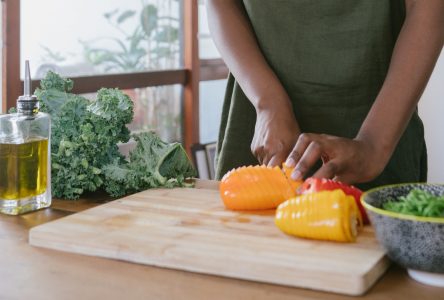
{"type": "Point", "coordinates": [189, 229]}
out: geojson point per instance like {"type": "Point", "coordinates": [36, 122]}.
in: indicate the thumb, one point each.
{"type": "Point", "coordinates": [276, 160]}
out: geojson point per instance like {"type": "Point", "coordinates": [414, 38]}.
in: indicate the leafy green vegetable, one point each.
{"type": "Point", "coordinates": [152, 163]}
{"type": "Point", "coordinates": [417, 203]}
{"type": "Point", "coordinates": [84, 151]}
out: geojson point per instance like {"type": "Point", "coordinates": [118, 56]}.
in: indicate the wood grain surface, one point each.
{"type": "Point", "coordinates": [188, 229]}
{"type": "Point", "coordinates": [35, 273]}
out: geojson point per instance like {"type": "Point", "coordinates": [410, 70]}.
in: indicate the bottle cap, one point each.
{"type": "Point", "coordinates": [27, 103]}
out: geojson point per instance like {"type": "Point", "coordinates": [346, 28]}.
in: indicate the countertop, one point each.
{"type": "Point", "coordinates": [28, 272]}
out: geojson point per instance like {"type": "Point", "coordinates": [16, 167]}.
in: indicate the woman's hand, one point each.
{"type": "Point", "coordinates": [347, 160]}
{"type": "Point", "coordinates": [276, 128]}
{"type": "Point", "coordinates": [275, 133]}
{"type": "Point", "coordinates": [365, 157]}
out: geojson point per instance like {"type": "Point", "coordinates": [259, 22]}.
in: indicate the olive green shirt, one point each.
{"type": "Point", "coordinates": [332, 58]}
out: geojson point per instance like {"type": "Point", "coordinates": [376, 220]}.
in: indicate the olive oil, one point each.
{"type": "Point", "coordinates": [25, 155]}
{"type": "Point", "coordinates": [23, 171]}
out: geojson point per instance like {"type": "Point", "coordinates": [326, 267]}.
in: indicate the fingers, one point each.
{"type": "Point", "coordinates": [276, 160]}
{"type": "Point", "coordinates": [258, 151]}
{"type": "Point", "coordinates": [302, 143]}
{"type": "Point", "coordinates": [259, 154]}
{"type": "Point", "coordinates": [343, 159]}
{"type": "Point", "coordinates": [270, 154]}
{"type": "Point", "coordinates": [328, 170]}
{"type": "Point", "coordinates": [266, 158]}
{"type": "Point", "coordinates": [308, 160]}
{"type": "Point", "coordinates": [307, 151]}
{"type": "Point", "coordinates": [263, 155]}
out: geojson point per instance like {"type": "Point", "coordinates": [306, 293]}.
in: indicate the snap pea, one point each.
{"type": "Point", "coordinates": [417, 203]}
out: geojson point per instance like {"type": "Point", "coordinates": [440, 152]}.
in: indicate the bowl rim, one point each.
{"type": "Point", "coordinates": [395, 214]}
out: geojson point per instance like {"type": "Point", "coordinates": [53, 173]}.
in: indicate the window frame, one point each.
{"type": "Point", "coordinates": [194, 70]}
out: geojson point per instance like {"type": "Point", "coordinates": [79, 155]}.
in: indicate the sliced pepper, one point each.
{"type": "Point", "coordinates": [295, 184]}
{"type": "Point", "coordinates": [327, 215]}
{"type": "Point", "coordinates": [256, 188]}
{"type": "Point", "coordinates": [313, 185]}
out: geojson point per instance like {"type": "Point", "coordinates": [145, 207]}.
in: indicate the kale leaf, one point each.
{"type": "Point", "coordinates": [152, 163]}
{"type": "Point", "coordinates": [84, 144]}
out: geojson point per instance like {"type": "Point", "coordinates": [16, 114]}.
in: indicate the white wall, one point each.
{"type": "Point", "coordinates": [431, 110]}
{"type": "Point", "coordinates": [211, 100]}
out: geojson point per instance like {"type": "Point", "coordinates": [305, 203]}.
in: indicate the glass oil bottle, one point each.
{"type": "Point", "coordinates": [25, 155]}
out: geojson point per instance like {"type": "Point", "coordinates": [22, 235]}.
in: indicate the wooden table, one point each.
{"type": "Point", "coordinates": [33, 273]}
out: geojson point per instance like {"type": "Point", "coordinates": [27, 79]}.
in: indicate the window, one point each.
{"type": "Point", "coordinates": [158, 109]}
{"type": "Point", "coordinates": [103, 37]}
{"type": "Point", "coordinates": [211, 100]}
{"type": "Point", "coordinates": [150, 48]}
{"type": "Point", "coordinates": [207, 49]}
{"type": "Point", "coordinates": [211, 93]}
{"type": "Point", "coordinates": [1, 75]}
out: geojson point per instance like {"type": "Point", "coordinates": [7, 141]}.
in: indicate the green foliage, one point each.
{"type": "Point", "coordinates": [125, 15]}
{"type": "Point", "coordinates": [54, 91]}
{"type": "Point", "coordinates": [85, 156]}
{"type": "Point", "coordinates": [155, 37]}
{"type": "Point", "coordinates": [54, 81]}
{"type": "Point", "coordinates": [148, 19]}
{"type": "Point", "coordinates": [51, 55]}
{"type": "Point", "coordinates": [418, 203]}
{"type": "Point", "coordinates": [153, 163]}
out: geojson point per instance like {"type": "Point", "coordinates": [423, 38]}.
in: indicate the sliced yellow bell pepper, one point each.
{"type": "Point", "coordinates": [327, 215]}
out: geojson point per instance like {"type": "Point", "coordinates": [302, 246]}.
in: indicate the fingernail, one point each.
{"type": "Point", "coordinates": [290, 162]}
{"type": "Point", "coordinates": [296, 175]}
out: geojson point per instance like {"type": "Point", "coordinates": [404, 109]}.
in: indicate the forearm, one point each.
{"type": "Point", "coordinates": [236, 41]}
{"type": "Point", "coordinates": [415, 54]}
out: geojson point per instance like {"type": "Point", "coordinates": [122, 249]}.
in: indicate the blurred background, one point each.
{"type": "Point", "coordinates": [144, 40]}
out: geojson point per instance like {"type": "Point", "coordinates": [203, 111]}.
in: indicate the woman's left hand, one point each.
{"type": "Point", "coordinates": [347, 160]}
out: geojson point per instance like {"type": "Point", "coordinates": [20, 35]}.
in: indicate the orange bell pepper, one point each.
{"type": "Point", "coordinates": [256, 188]}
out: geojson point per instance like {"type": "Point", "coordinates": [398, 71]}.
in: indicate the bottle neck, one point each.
{"type": "Point", "coordinates": [28, 107]}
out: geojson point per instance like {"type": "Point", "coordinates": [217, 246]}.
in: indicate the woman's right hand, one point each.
{"type": "Point", "coordinates": [275, 134]}
{"type": "Point", "coordinates": [276, 129]}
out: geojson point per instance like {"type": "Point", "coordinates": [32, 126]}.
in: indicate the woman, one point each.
{"type": "Point", "coordinates": [330, 87]}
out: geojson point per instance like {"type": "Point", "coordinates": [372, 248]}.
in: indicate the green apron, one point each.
{"type": "Point", "coordinates": [332, 57]}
